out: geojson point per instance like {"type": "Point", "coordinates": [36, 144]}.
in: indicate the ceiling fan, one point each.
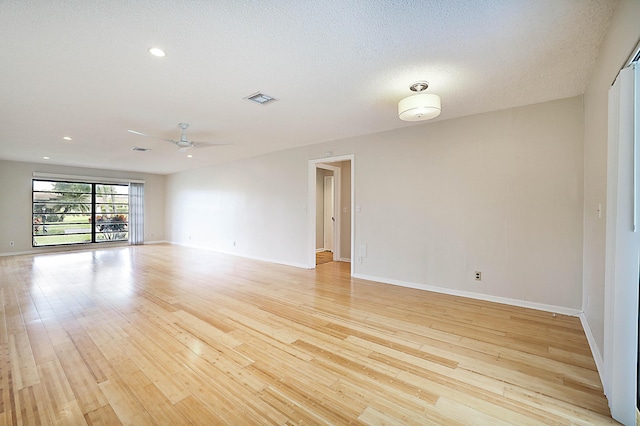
{"type": "Point", "coordinates": [183, 143]}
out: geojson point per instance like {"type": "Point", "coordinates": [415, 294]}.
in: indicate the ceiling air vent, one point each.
{"type": "Point", "coordinates": [136, 148]}
{"type": "Point", "coordinates": [260, 98]}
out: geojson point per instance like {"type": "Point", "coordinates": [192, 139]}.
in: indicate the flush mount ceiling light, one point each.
{"type": "Point", "coordinates": [422, 106]}
{"type": "Point", "coordinates": [67, 138]}
{"type": "Point", "coordinates": [156, 51]}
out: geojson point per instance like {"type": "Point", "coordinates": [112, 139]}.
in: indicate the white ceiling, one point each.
{"type": "Point", "coordinates": [338, 68]}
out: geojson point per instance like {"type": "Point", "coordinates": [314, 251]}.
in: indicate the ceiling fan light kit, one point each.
{"type": "Point", "coordinates": [421, 106]}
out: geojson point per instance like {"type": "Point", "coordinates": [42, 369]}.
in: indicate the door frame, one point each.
{"type": "Point", "coordinates": [325, 163]}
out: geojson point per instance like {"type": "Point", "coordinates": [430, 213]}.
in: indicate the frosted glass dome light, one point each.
{"type": "Point", "coordinates": [422, 106]}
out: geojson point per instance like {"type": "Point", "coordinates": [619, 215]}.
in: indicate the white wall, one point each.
{"type": "Point", "coordinates": [260, 204]}
{"type": "Point", "coordinates": [623, 34]}
{"type": "Point", "coordinates": [499, 192]}
{"type": "Point", "coordinates": [345, 209]}
{"type": "Point", "coordinates": [15, 202]}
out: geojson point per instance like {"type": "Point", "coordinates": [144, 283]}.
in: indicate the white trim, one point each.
{"type": "Point", "coordinates": [593, 345]}
{"type": "Point", "coordinates": [634, 56]}
{"type": "Point", "coordinates": [156, 242]}
{"type": "Point", "coordinates": [261, 259]}
{"type": "Point", "coordinates": [90, 179]}
{"type": "Point", "coordinates": [345, 259]}
{"type": "Point", "coordinates": [19, 253]}
{"type": "Point", "coordinates": [479, 296]}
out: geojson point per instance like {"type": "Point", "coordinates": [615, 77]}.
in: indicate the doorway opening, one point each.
{"type": "Point", "coordinates": [331, 230]}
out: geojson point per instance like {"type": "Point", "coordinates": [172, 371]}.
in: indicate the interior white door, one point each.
{"type": "Point", "coordinates": [622, 247]}
{"type": "Point", "coordinates": [329, 215]}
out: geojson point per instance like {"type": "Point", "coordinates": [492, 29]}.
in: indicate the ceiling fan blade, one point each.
{"type": "Point", "coordinates": [135, 132]}
{"type": "Point", "coordinates": [196, 144]}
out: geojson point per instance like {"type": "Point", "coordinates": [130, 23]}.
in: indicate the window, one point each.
{"type": "Point", "coordinates": [79, 213]}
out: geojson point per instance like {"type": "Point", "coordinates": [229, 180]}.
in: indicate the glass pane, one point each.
{"type": "Point", "coordinates": [67, 229]}
{"type": "Point", "coordinates": [111, 236]}
{"type": "Point", "coordinates": [112, 198]}
{"type": "Point", "coordinates": [70, 219]}
{"type": "Point", "coordinates": [112, 224]}
{"type": "Point", "coordinates": [112, 189]}
{"type": "Point", "coordinates": [60, 208]}
{"type": "Point", "coordinates": [62, 187]}
{"type": "Point", "coordinates": [46, 196]}
{"type": "Point", "coordinates": [41, 185]}
{"type": "Point", "coordinates": [52, 240]}
{"type": "Point", "coordinates": [112, 208]}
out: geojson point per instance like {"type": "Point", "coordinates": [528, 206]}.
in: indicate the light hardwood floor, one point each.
{"type": "Point", "coordinates": [163, 334]}
{"type": "Point", "coordinates": [324, 257]}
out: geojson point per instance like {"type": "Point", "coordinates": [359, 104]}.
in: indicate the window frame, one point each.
{"type": "Point", "coordinates": [94, 213]}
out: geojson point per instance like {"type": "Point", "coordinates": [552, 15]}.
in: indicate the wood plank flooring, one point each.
{"type": "Point", "coordinates": [163, 334]}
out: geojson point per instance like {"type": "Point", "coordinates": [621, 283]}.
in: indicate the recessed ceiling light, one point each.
{"type": "Point", "coordinates": [45, 158]}
{"type": "Point", "coordinates": [156, 51]}
{"type": "Point", "coordinates": [67, 138]}
{"type": "Point", "coordinates": [189, 156]}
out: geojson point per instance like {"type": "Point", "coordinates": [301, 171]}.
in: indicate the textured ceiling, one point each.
{"type": "Point", "coordinates": [338, 68]}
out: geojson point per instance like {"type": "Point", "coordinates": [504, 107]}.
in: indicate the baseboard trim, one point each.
{"type": "Point", "coordinates": [479, 296]}
{"type": "Point", "coordinates": [345, 259]}
{"type": "Point", "coordinates": [19, 253]}
{"type": "Point", "coordinates": [593, 346]}
{"type": "Point", "coordinates": [244, 256]}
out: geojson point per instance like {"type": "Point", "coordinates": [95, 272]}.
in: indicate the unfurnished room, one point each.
{"type": "Point", "coordinates": [372, 212]}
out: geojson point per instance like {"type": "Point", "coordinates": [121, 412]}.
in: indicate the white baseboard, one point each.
{"type": "Point", "coordinates": [18, 253]}
{"type": "Point", "coordinates": [597, 357]}
{"type": "Point", "coordinates": [261, 259]}
{"type": "Point", "coordinates": [156, 242]}
{"type": "Point", "coordinates": [479, 296]}
{"type": "Point", "coordinates": [345, 259]}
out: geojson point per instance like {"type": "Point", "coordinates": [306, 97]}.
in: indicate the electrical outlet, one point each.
{"type": "Point", "coordinates": [478, 276]}
{"type": "Point", "coordinates": [11, 243]}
